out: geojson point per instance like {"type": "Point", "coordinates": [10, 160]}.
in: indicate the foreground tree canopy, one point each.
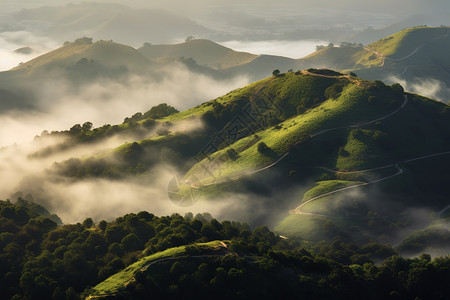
{"type": "Point", "coordinates": [40, 259]}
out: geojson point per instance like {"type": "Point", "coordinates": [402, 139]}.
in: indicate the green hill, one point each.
{"type": "Point", "coordinates": [291, 130]}
{"type": "Point", "coordinates": [416, 55]}
{"type": "Point", "coordinates": [400, 44]}
{"type": "Point", "coordinates": [105, 52]}
{"type": "Point", "coordinates": [204, 52]}
{"type": "Point", "coordinates": [118, 282]}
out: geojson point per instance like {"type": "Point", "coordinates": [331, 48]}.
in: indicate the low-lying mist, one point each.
{"type": "Point", "coordinates": [430, 87]}
{"type": "Point", "coordinates": [292, 49]}
{"type": "Point", "coordinates": [60, 106]}
{"type": "Point", "coordinates": [28, 46]}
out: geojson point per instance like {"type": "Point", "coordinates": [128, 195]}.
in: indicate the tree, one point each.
{"type": "Point", "coordinates": [131, 243]}
{"type": "Point", "coordinates": [160, 111]}
{"type": "Point", "coordinates": [262, 147]}
{"type": "Point", "coordinates": [397, 88]}
{"type": "Point", "coordinates": [276, 72]}
{"type": "Point", "coordinates": [102, 225]}
{"type": "Point", "coordinates": [75, 129]}
{"type": "Point", "coordinates": [87, 126]}
{"type": "Point", "coordinates": [189, 38]}
{"type": "Point", "coordinates": [88, 223]}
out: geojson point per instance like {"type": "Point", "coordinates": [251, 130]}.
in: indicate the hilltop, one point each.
{"type": "Point", "coordinates": [204, 52]}
{"type": "Point", "coordinates": [105, 52]}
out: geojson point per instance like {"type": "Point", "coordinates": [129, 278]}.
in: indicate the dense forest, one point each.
{"type": "Point", "coordinates": [41, 259]}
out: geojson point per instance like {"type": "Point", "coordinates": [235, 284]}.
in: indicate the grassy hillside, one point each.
{"type": "Point", "coordinates": [416, 55]}
{"type": "Point", "coordinates": [344, 58]}
{"type": "Point", "coordinates": [204, 52]}
{"type": "Point", "coordinates": [400, 44]}
{"type": "Point", "coordinates": [120, 280]}
{"type": "Point", "coordinates": [396, 46]}
{"type": "Point", "coordinates": [105, 52]}
{"type": "Point", "coordinates": [289, 131]}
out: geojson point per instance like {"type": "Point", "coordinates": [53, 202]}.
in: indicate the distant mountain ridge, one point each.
{"type": "Point", "coordinates": [204, 52]}
{"type": "Point", "coordinates": [105, 21]}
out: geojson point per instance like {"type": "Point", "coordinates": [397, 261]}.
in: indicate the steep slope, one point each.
{"type": "Point", "coordinates": [204, 52]}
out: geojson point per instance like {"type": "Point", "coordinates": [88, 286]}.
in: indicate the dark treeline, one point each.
{"type": "Point", "coordinates": [40, 259]}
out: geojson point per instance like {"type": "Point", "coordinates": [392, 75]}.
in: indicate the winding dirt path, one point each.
{"type": "Point", "coordinates": [415, 51]}
{"type": "Point", "coordinates": [298, 210]}
{"type": "Point", "coordinates": [193, 185]}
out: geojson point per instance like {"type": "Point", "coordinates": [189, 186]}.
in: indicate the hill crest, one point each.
{"type": "Point", "coordinates": [204, 52]}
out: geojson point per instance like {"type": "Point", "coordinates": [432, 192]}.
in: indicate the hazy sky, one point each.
{"type": "Point", "coordinates": [397, 7]}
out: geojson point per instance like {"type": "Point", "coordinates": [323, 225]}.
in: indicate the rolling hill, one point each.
{"type": "Point", "coordinates": [385, 149]}
{"type": "Point", "coordinates": [416, 55]}
{"type": "Point", "coordinates": [84, 61]}
{"type": "Point", "coordinates": [105, 52]}
{"type": "Point", "coordinates": [204, 52]}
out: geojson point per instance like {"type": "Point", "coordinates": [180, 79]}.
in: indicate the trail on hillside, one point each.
{"type": "Point", "coordinates": [298, 210]}
{"type": "Point", "coordinates": [415, 51]}
{"type": "Point", "coordinates": [311, 136]}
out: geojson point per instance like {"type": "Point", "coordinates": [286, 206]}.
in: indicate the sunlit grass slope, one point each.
{"type": "Point", "coordinates": [118, 281]}
{"type": "Point", "coordinates": [404, 42]}
{"type": "Point", "coordinates": [106, 52]}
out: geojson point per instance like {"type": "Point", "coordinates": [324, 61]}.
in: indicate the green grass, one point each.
{"type": "Point", "coordinates": [350, 108]}
{"type": "Point", "coordinates": [404, 42]}
{"type": "Point", "coordinates": [362, 152]}
{"type": "Point", "coordinates": [397, 45]}
{"type": "Point", "coordinates": [117, 281]}
{"type": "Point", "coordinates": [228, 99]}
{"type": "Point", "coordinates": [343, 58]}
{"type": "Point", "coordinates": [322, 187]}
{"type": "Point", "coordinates": [301, 226]}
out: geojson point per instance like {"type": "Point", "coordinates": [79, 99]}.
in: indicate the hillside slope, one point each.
{"type": "Point", "coordinates": [416, 55]}
{"type": "Point", "coordinates": [287, 131]}
{"type": "Point", "coordinates": [204, 52]}
{"type": "Point", "coordinates": [105, 52]}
